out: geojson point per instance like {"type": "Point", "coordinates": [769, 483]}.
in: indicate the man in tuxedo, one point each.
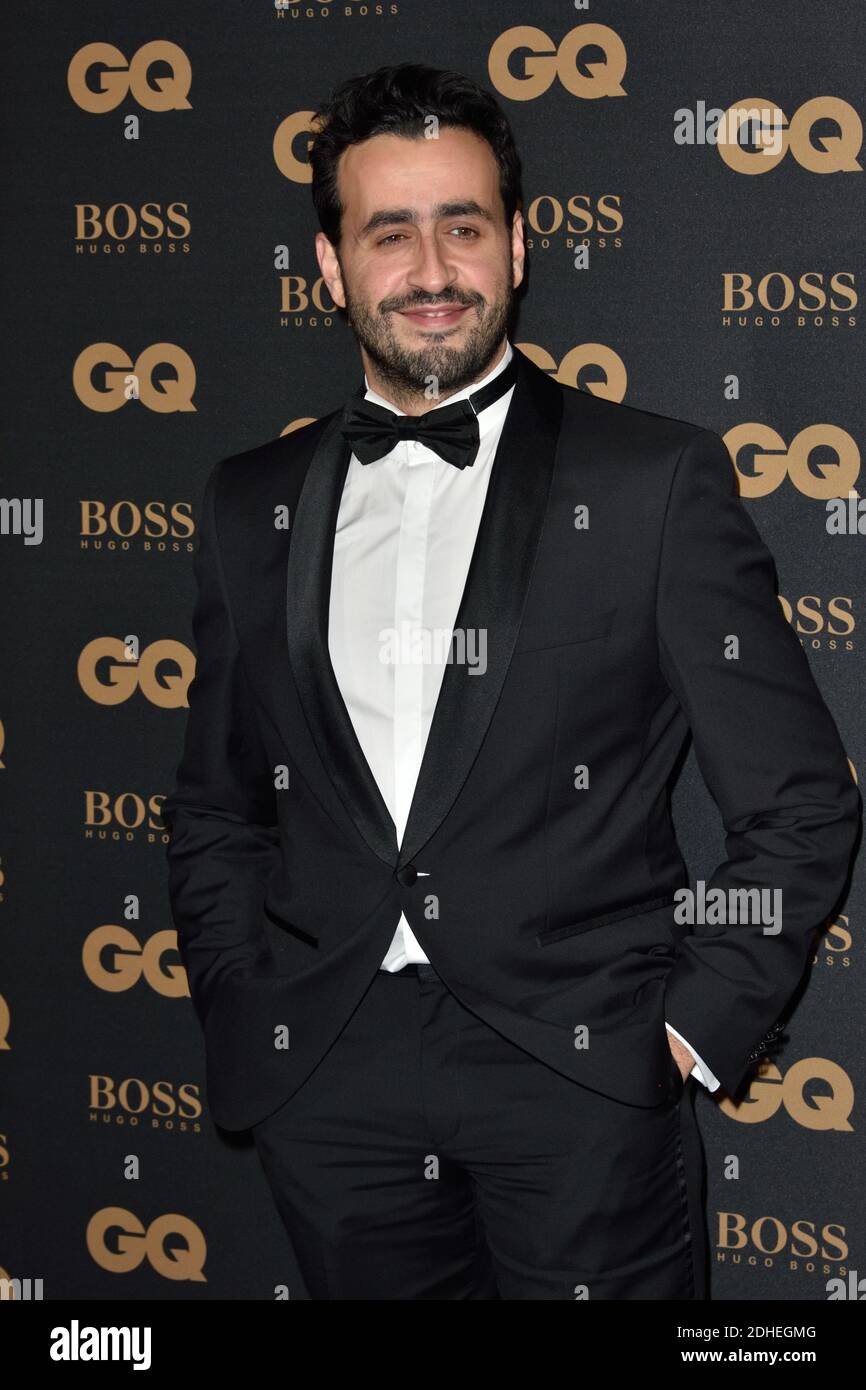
{"type": "Point", "coordinates": [451, 639]}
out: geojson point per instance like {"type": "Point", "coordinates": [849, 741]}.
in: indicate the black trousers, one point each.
{"type": "Point", "coordinates": [428, 1157]}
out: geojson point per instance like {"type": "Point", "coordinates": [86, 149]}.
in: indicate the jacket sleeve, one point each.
{"type": "Point", "coordinates": [222, 814]}
{"type": "Point", "coordinates": [769, 752]}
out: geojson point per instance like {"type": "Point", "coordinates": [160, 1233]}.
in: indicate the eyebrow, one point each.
{"type": "Point", "coordinates": [389, 216]}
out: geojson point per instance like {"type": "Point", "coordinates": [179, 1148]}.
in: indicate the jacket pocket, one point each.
{"type": "Point", "coordinates": [289, 927]}
{"type": "Point", "coordinates": [551, 934]}
{"type": "Point", "coordinates": [548, 632]}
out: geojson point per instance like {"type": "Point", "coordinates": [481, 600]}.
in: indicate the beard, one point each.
{"type": "Point", "coordinates": [407, 371]}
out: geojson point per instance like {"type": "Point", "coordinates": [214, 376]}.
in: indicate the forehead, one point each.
{"type": "Point", "coordinates": [391, 171]}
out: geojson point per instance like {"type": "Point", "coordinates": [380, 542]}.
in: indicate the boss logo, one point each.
{"type": "Point", "coordinates": [128, 811]}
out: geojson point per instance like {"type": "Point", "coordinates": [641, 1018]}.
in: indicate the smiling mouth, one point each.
{"type": "Point", "coordinates": [435, 315]}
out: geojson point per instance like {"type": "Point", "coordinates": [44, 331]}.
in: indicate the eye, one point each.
{"type": "Point", "coordinates": [398, 236]}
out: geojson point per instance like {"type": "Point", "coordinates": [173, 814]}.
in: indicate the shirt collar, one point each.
{"type": "Point", "coordinates": [483, 416]}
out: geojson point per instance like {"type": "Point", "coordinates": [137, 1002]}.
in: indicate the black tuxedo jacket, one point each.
{"type": "Point", "coordinates": [545, 906]}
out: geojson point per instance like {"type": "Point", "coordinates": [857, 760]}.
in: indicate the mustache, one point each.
{"type": "Point", "coordinates": [440, 303]}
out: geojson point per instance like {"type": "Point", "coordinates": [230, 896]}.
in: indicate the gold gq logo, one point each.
{"type": "Point", "coordinates": [545, 62]}
{"type": "Point", "coordinates": [125, 380]}
{"type": "Point", "coordinates": [134, 1243]}
{"type": "Point", "coordinates": [771, 1090]}
{"type": "Point", "coordinates": [117, 77]}
{"type": "Point", "coordinates": [298, 424]}
{"type": "Point", "coordinates": [291, 165]}
{"type": "Point", "coordinates": [595, 356]}
{"type": "Point", "coordinates": [131, 961]}
{"type": "Point", "coordinates": [829, 154]}
{"type": "Point", "coordinates": [131, 671]}
{"type": "Point", "coordinates": [777, 461]}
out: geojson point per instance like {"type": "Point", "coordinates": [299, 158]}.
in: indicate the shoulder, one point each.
{"type": "Point", "coordinates": [626, 427]}
{"type": "Point", "coordinates": [240, 488]}
{"type": "Point", "coordinates": [283, 461]}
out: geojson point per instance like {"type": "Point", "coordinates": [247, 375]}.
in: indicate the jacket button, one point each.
{"type": "Point", "coordinates": [407, 875]}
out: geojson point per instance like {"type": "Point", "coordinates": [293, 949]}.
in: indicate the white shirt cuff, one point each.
{"type": "Point", "coordinates": [700, 1070]}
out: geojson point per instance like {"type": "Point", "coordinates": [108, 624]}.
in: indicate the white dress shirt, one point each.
{"type": "Point", "coordinates": [406, 530]}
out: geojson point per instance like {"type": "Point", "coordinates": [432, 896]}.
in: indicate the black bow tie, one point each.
{"type": "Point", "coordinates": [451, 431]}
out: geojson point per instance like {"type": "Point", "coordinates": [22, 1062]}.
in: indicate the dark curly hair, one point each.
{"type": "Point", "coordinates": [397, 101]}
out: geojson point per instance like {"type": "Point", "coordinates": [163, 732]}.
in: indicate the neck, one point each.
{"type": "Point", "coordinates": [415, 402]}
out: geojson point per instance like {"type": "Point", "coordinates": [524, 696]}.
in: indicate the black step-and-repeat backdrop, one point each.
{"type": "Point", "coordinates": [164, 309]}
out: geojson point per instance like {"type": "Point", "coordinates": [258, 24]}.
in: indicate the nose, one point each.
{"type": "Point", "coordinates": [431, 271]}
